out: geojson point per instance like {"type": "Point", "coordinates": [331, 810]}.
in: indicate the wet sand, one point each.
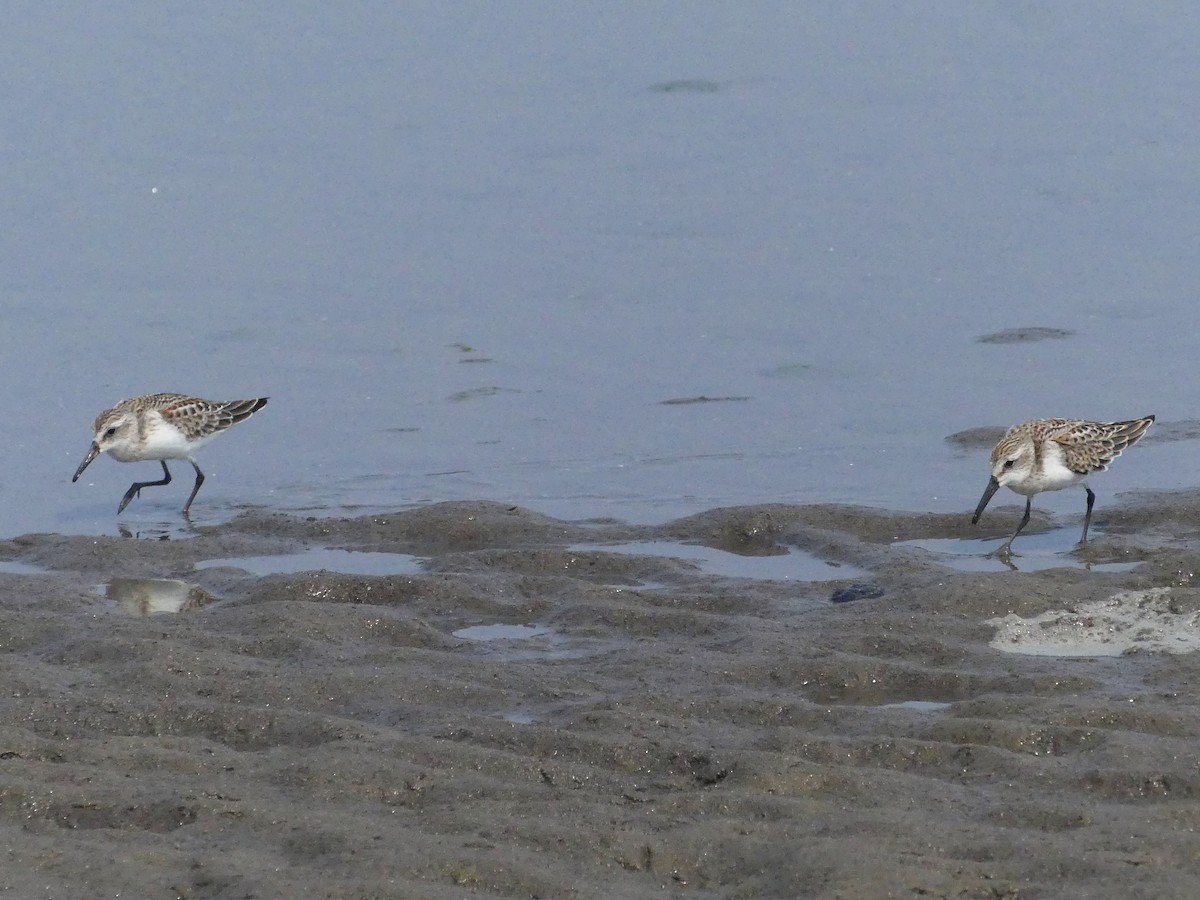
{"type": "Point", "coordinates": [536, 708]}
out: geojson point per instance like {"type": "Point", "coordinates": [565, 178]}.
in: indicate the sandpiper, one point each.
{"type": "Point", "coordinates": [162, 427]}
{"type": "Point", "coordinates": [1051, 454]}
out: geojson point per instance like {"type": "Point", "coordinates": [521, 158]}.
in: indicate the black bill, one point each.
{"type": "Point", "coordinates": [87, 461]}
{"type": "Point", "coordinates": [992, 487]}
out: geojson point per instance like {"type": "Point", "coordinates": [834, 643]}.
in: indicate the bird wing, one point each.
{"type": "Point", "coordinates": [1090, 446]}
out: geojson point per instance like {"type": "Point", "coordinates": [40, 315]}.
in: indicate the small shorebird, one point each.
{"type": "Point", "coordinates": [1051, 454]}
{"type": "Point", "coordinates": [162, 427]}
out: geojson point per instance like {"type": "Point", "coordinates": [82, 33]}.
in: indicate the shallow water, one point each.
{"type": "Point", "coordinates": [474, 252]}
{"type": "Point", "coordinates": [918, 706]}
{"type": "Point", "coordinates": [15, 567]}
{"type": "Point", "coordinates": [1031, 553]}
{"type": "Point", "coordinates": [154, 596]}
{"type": "Point", "coordinates": [316, 559]}
{"type": "Point", "coordinates": [500, 632]}
{"type": "Point", "coordinates": [793, 565]}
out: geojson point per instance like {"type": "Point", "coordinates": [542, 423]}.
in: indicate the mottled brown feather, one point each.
{"type": "Point", "coordinates": [196, 417]}
{"type": "Point", "coordinates": [1091, 446]}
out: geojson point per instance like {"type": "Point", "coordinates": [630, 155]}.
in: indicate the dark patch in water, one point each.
{"type": "Point", "coordinates": [685, 86]}
{"type": "Point", "coordinates": [981, 438]}
{"type": "Point", "coordinates": [1166, 432]}
{"type": "Point", "coordinates": [1024, 335]}
{"type": "Point", "coordinates": [681, 401]}
{"type": "Point", "coordinates": [788, 370]}
{"type": "Point", "coordinates": [475, 393]}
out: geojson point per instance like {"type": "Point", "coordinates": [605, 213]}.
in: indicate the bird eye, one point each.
{"type": "Point", "coordinates": [1008, 463]}
{"type": "Point", "coordinates": [111, 431]}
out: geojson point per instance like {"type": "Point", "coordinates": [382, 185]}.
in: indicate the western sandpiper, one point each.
{"type": "Point", "coordinates": [162, 427]}
{"type": "Point", "coordinates": [1051, 454]}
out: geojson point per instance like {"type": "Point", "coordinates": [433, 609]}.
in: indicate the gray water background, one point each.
{"type": "Point", "coordinates": [469, 249]}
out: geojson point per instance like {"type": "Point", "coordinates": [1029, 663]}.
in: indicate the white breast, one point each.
{"type": "Point", "coordinates": [1052, 476]}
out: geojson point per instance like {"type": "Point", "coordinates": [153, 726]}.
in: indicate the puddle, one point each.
{"type": "Point", "coordinates": [518, 717]}
{"type": "Point", "coordinates": [501, 632]}
{"type": "Point", "coordinates": [149, 596]}
{"type": "Point", "coordinates": [13, 567]}
{"type": "Point", "coordinates": [924, 706]}
{"type": "Point", "coordinates": [795, 565]}
{"type": "Point", "coordinates": [316, 559]}
{"type": "Point", "coordinates": [1031, 553]}
{"type": "Point", "coordinates": [638, 586]}
{"type": "Point", "coordinates": [1146, 621]}
{"type": "Point", "coordinates": [529, 643]}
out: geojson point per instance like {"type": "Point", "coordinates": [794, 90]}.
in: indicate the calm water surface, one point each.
{"type": "Point", "coordinates": [472, 250]}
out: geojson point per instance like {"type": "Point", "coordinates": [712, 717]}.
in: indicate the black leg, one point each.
{"type": "Point", "coordinates": [138, 485]}
{"type": "Point", "coordinates": [195, 488]}
{"type": "Point", "coordinates": [1006, 548]}
{"type": "Point", "coordinates": [1087, 520]}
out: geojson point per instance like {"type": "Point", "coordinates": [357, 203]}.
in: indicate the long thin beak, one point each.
{"type": "Point", "coordinates": [992, 487]}
{"type": "Point", "coordinates": [87, 460]}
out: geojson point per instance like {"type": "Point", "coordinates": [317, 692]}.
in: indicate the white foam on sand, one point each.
{"type": "Point", "coordinates": [1129, 622]}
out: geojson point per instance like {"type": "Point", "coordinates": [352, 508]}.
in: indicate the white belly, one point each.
{"type": "Point", "coordinates": [160, 441]}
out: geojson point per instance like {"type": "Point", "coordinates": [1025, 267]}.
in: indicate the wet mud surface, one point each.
{"type": "Point", "coordinates": [487, 702]}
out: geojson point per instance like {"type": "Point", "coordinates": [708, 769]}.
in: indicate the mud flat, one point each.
{"type": "Point", "coordinates": [471, 699]}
